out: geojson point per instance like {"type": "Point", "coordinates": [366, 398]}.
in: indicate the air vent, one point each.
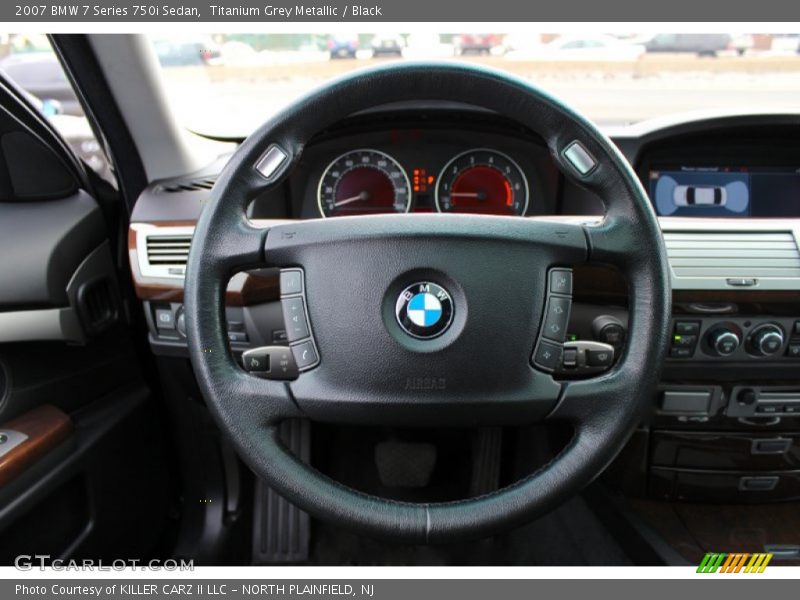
{"type": "Point", "coordinates": [165, 253]}
{"type": "Point", "coordinates": [191, 185]}
{"type": "Point", "coordinates": [725, 260]}
{"type": "Point", "coordinates": [97, 305]}
{"type": "Point", "coordinates": [168, 249]}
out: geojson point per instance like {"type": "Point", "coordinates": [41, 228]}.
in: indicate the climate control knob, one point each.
{"type": "Point", "coordinates": [766, 340]}
{"type": "Point", "coordinates": [723, 341]}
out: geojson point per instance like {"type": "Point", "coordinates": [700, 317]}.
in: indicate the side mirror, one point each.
{"type": "Point", "coordinates": [51, 107]}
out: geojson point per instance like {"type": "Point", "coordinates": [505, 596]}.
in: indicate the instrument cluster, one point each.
{"type": "Point", "coordinates": [369, 181]}
{"type": "Point", "coordinates": [421, 162]}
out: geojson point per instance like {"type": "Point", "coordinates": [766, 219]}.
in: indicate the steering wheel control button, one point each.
{"type": "Point", "coordinates": [547, 356]}
{"type": "Point", "coordinates": [599, 358]}
{"type": "Point", "coordinates": [424, 310]}
{"type": "Point", "coordinates": [584, 357]}
{"type": "Point", "coordinates": [283, 365]}
{"type": "Point", "coordinates": [271, 362]}
{"type": "Point", "coordinates": [291, 281]}
{"type": "Point", "coordinates": [305, 355]}
{"type": "Point", "coordinates": [580, 158]}
{"type": "Point", "coordinates": [556, 318]}
{"type": "Point", "coordinates": [548, 353]}
{"type": "Point", "coordinates": [271, 162]}
{"type": "Point", "coordinates": [570, 358]}
{"type": "Point", "coordinates": [294, 316]}
{"type": "Point", "coordinates": [301, 354]}
{"type": "Point", "coordinates": [561, 282]}
{"type": "Point", "coordinates": [256, 361]}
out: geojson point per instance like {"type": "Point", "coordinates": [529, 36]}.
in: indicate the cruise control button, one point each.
{"type": "Point", "coordinates": [561, 281]}
{"type": "Point", "coordinates": [256, 362]}
{"type": "Point", "coordinates": [547, 355]}
{"type": "Point", "coordinates": [305, 355]}
{"type": "Point", "coordinates": [599, 358]}
{"type": "Point", "coordinates": [291, 282]}
{"type": "Point", "coordinates": [272, 362]}
{"type": "Point", "coordinates": [556, 318]}
{"type": "Point", "coordinates": [283, 363]}
{"type": "Point", "coordinates": [294, 316]}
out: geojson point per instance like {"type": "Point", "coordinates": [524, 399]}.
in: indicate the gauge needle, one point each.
{"type": "Point", "coordinates": [362, 196]}
{"type": "Point", "coordinates": [476, 195]}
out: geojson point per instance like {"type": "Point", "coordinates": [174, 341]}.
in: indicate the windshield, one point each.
{"type": "Point", "coordinates": [614, 79]}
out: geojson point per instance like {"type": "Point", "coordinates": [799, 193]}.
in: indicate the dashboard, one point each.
{"type": "Point", "coordinates": [727, 192]}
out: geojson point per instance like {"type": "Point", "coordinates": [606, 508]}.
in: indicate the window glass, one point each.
{"type": "Point", "coordinates": [30, 62]}
{"type": "Point", "coordinates": [615, 78]}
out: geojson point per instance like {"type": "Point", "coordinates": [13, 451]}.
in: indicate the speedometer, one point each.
{"type": "Point", "coordinates": [482, 181]}
{"type": "Point", "coordinates": [363, 182]}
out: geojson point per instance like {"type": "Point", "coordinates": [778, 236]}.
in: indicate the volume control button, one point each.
{"type": "Point", "coordinates": [294, 316]}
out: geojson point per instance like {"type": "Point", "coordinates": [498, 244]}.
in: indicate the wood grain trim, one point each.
{"type": "Point", "coordinates": [244, 289]}
{"type": "Point", "coordinates": [46, 427]}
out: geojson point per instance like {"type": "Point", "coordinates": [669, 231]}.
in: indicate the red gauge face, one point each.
{"type": "Point", "coordinates": [484, 182]}
{"type": "Point", "coordinates": [361, 183]}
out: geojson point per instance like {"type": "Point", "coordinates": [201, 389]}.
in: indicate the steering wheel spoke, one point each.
{"type": "Point", "coordinates": [242, 247]}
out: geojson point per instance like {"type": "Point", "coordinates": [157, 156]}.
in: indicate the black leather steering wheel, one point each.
{"type": "Point", "coordinates": [495, 270]}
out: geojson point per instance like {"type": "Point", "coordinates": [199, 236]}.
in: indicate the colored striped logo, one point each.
{"type": "Point", "coordinates": [738, 562]}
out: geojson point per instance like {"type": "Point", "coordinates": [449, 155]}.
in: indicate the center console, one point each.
{"type": "Point", "coordinates": [724, 427]}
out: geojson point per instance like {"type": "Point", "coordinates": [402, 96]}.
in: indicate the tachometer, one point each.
{"type": "Point", "coordinates": [363, 182]}
{"type": "Point", "coordinates": [482, 181]}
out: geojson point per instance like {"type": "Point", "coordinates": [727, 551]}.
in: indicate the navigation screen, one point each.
{"type": "Point", "coordinates": [725, 192]}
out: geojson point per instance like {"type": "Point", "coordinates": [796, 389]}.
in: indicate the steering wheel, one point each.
{"type": "Point", "coordinates": [376, 361]}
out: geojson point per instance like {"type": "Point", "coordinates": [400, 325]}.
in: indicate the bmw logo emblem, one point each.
{"type": "Point", "coordinates": [424, 310]}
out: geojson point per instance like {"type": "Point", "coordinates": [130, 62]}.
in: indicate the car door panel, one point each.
{"type": "Point", "coordinates": [90, 474]}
